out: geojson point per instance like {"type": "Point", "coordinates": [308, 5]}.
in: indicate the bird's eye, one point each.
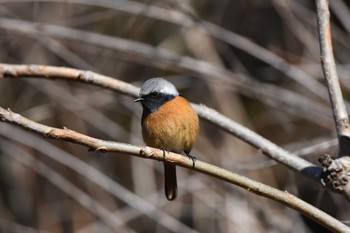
{"type": "Point", "coordinates": [154, 94]}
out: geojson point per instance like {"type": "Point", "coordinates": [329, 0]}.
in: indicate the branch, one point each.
{"type": "Point", "coordinates": [94, 175]}
{"type": "Point", "coordinates": [183, 161]}
{"type": "Point", "coordinates": [267, 147]}
{"type": "Point", "coordinates": [330, 73]}
{"type": "Point", "coordinates": [51, 72]}
{"type": "Point", "coordinates": [336, 171]}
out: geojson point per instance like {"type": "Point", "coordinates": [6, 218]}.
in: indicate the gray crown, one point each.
{"type": "Point", "coordinates": [158, 85]}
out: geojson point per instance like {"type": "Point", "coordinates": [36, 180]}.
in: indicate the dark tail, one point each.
{"type": "Point", "coordinates": [170, 183]}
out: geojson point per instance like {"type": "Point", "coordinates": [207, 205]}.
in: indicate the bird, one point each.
{"type": "Point", "coordinates": [169, 123]}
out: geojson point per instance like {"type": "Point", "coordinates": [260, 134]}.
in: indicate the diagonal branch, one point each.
{"type": "Point", "coordinates": [156, 154]}
{"type": "Point", "coordinates": [149, 209]}
{"type": "Point", "coordinates": [267, 147]}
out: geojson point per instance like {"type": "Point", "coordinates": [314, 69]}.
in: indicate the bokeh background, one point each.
{"type": "Point", "coordinates": [256, 62]}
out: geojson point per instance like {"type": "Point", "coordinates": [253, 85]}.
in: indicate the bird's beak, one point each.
{"type": "Point", "coordinates": [138, 99]}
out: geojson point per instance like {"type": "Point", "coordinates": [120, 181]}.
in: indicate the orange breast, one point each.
{"type": "Point", "coordinates": [174, 126]}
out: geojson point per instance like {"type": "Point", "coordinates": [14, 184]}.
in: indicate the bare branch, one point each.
{"type": "Point", "coordinates": [94, 175]}
{"type": "Point", "coordinates": [291, 99]}
{"type": "Point", "coordinates": [156, 154]}
{"type": "Point", "coordinates": [51, 72]}
{"type": "Point", "coordinates": [328, 65]}
{"type": "Point", "coordinates": [336, 171]}
{"type": "Point", "coordinates": [268, 148]}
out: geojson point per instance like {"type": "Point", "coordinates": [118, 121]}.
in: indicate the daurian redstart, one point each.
{"type": "Point", "coordinates": [168, 122]}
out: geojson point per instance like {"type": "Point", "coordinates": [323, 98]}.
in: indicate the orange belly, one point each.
{"type": "Point", "coordinates": [174, 126]}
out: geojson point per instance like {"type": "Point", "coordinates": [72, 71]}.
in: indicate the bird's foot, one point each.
{"type": "Point", "coordinates": [165, 150]}
{"type": "Point", "coordinates": [194, 159]}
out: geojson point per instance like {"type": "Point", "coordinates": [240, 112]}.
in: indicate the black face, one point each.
{"type": "Point", "coordinates": [152, 101]}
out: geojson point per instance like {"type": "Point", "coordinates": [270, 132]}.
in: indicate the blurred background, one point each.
{"type": "Point", "coordinates": [256, 62]}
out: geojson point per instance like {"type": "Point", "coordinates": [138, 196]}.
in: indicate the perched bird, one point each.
{"type": "Point", "coordinates": [169, 123]}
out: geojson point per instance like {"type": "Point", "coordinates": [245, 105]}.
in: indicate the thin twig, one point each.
{"type": "Point", "coordinates": [329, 69]}
{"type": "Point", "coordinates": [157, 154]}
{"type": "Point", "coordinates": [52, 72]}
